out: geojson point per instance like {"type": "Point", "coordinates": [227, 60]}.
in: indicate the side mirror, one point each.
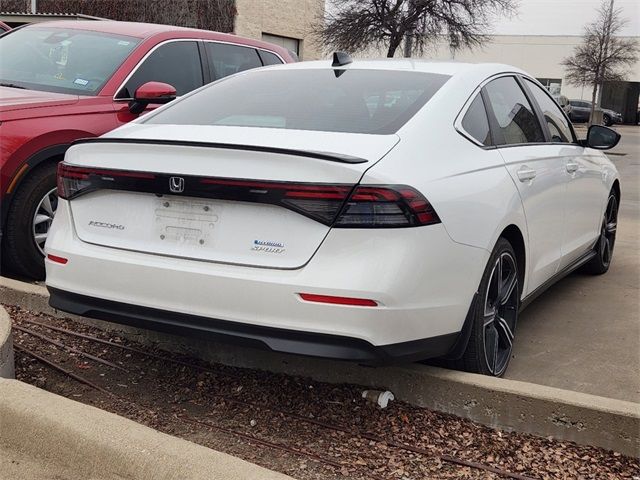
{"type": "Point", "coordinates": [601, 138]}
{"type": "Point", "coordinates": [151, 92]}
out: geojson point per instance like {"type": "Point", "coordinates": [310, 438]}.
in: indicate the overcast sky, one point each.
{"type": "Point", "coordinates": [563, 17]}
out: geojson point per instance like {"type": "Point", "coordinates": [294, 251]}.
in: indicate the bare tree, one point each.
{"type": "Point", "coordinates": [356, 25]}
{"type": "Point", "coordinates": [602, 56]}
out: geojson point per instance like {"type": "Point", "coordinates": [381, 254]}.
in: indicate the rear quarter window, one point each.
{"type": "Point", "coordinates": [476, 123]}
{"type": "Point", "coordinates": [226, 59]}
{"type": "Point", "coordinates": [269, 58]}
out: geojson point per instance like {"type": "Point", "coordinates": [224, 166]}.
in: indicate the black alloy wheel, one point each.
{"type": "Point", "coordinates": [496, 314]}
{"type": "Point", "coordinates": [29, 218]}
{"type": "Point", "coordinates": [601, 262]}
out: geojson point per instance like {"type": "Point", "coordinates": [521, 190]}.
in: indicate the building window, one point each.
{"type": "Point", "coordinates": [552, 84]}
{"type": "Point", "coordinates": [291, 44]}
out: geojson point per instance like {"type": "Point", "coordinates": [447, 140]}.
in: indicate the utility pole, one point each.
{"type": "Point", "coordinates": [34, 6]}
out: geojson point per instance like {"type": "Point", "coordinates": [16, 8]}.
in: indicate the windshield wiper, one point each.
{"type": "Point", "coordinates": [12, 85]}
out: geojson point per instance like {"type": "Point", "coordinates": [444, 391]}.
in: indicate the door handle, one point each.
{"type": "Point", "coordinates": [572, 167]}
{"type": "Point", "coordinates": [526, 174]}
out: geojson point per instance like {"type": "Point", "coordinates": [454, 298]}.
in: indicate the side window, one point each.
{"type": "Point", "coordinates": [269, 58]}
{"type": "Point", "coordinates": [475, 122]}
{"type": "Point", "coordinates": [228, 59]}
{"type": "Point", "coordinates": [516, 119]}
{"type": "Point", "coordinates": [175, 63]}
{"type": "Point", "coordinates": [557, 123]}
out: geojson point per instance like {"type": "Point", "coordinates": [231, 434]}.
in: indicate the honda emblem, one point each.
{"type": "Point", "coordinates": [176, 184]}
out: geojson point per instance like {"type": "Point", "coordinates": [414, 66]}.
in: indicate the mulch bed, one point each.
{"type": "Point", "coordinates": [237, 405]}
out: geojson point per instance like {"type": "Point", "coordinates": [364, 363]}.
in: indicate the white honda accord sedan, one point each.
{"type": "Point", "coordinates": [374, 211]}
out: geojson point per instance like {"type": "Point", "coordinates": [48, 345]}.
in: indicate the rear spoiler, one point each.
{"type": "Point", "coordinates": [329, 156]}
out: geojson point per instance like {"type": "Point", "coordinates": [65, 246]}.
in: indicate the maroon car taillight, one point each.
{"type": "Point", "coordinates": [389, 206]}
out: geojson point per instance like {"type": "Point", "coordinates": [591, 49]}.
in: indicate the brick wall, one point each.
{"type": "Point", "coordinates": [287, 18]}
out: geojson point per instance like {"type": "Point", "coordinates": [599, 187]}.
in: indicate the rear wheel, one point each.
{"type": "Point", "coordinates": [496, 314]}
{"type": "Point", "coordinates": [30, 215]}
{"type": "Point", "coordinates": [601, 262]}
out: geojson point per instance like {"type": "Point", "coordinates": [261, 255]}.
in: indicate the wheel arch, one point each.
{"type": "Point", "coordinates": [616, 190]}
{"type": "Point", "coordinates": [514, 236]}
{"type": "Point", "coordinates": [54, 153]}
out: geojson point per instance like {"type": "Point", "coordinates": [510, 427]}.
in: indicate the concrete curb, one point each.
{"type": "Point", "coordinates": [77, 441]}
{"type": "Point", "coordinates": [6, 346]}
{"type": "Point", "coordinates": [500, 403]}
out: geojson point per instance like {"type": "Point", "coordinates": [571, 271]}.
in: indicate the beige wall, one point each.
{"type": "Point", "coordinates": [540, 56]}
{"type": "Point", "coordinates": [287, 18]}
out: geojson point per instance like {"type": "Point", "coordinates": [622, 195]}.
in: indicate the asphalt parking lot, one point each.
{"type": "Point", "coordinates": [583, 334]}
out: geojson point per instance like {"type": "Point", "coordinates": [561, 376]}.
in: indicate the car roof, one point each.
{"type": "Point", "coordinates": [148, 30]}
{"type": "Point", "coordinates": [417, 65]}
{"type": "Point", "coordinates": [131, 29]}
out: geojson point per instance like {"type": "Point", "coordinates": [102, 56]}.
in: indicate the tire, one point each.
{"type": "Point", "coordinates": [21, 253]}
{"type": "Point", "coordinates": [600, 264]}
{"type": "Point", "coordinates": [495, 315]}
{"type": "Point", "coordinates": [606, 119]}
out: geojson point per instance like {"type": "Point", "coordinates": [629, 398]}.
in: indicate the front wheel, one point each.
{"type": "Point", "coordinates": [495, 314]}
{"type": "Point", "coordinates": [607, 120]}
{"type": "Point", "coordinates": [30, 215]}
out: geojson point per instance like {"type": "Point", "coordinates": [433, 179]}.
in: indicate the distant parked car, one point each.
{"type": "Point", "coordinates": [4, 27]}
{"type": "Point", "coordinates": [564, 103]}
{"type": "Point", "coordinates": [581, 110]}
{"type": "Point", "coordinates": [65, 80]}
{"type": "Point", "coordinates": [373, 211]}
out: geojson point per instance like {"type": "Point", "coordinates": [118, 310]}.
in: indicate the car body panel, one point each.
{"type": "Point", "coordinates": [586, 187]}
{"type": "Point", "coordinates": [543, 199]}
{"type": "Point", "coordinates": [18, 99]}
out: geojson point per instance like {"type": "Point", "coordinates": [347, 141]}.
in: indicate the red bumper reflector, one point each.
{"type": "Point", "coordinates": [360, 302]}
{"type": "Point", "coordinates": [57, 259]}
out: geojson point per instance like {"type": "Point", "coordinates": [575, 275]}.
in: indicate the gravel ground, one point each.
{"type": "Point", "coordinates": [242, 409]}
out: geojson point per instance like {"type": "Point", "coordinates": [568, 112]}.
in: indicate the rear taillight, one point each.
{"type": "Point", "coordinates": [74, 181]}
{"type": "Point", "coordinates": [338, 205]}
{"type": "Point", "coordinates": [321, 202]}
{"type": "Point", "coordinates": [386, 207]}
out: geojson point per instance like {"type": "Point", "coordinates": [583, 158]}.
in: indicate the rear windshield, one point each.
{"type": "Point", "coordinates": [352, 101]}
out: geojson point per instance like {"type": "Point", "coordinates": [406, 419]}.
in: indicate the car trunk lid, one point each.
{"type": "Point", "coordinates": [267, 202]}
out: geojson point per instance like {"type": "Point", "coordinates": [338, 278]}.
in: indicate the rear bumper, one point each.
{"type": "Point", "coordinates": [275, 339]}
{"type": "Point", "coordinates": [422, 281]}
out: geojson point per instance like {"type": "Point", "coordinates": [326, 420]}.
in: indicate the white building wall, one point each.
{"type": "Point", "coordinates": [540, 56]}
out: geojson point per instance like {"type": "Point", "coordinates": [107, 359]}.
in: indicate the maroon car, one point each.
{"type": "Point", "coordinates": [4, 27]}
{"type": "Point", "coordinates": [65, 80]}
